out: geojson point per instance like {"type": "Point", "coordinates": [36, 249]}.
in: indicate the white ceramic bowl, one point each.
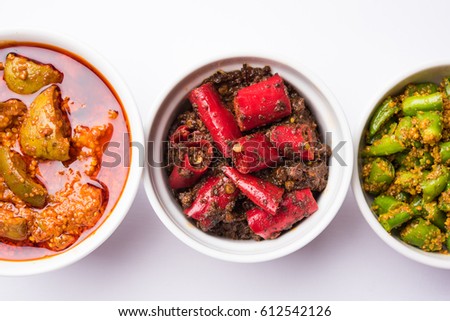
{"type": "Point", "coordinates": [120, 210]}
{"type": "Point", "coordinates": [330, 118]}
{"type": "Point", "coordinates": [431, 72]}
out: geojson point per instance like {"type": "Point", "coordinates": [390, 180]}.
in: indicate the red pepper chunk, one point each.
{"type": "Point", "coordinates": [181, 134]}
{"type": "Point", "coordinates": [254, 152]}
{"type": "Point", "coordinates": [217, 118]}
{"type": "Point", "coordinates": [186, 174]}
{"type": "Point", "coordinates": [264, 194]}
{"type": "Point", "coordinates": [294, 207]}
{"type": "Point", "coordinates": [291, 140]}
{"type": "Point", "coordinates": [262, 103]}
{"type": "Point", "coordinates": [214, 198]}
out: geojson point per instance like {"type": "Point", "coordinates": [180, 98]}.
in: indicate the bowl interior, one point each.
{"type": "Point", "coordinates": [432, 73]}
{"type": "Point", "coordinates": [332, 126]}
{"type": "Point", "coordinates": [115, 217]}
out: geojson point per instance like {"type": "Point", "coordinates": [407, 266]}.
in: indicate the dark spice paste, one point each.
{"type": "Point", "coordinates": [287, 171]}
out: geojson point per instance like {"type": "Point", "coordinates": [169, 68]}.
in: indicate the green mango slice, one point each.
{"type": "Point", "coordinates": [12, 227]}
{"type": "Point", "coordinates": [14, 171]}
{"type": "Point", "coordinates": [26, 76]}
{"type": "Point", "coordinates": [45, 131]}
{"type": "Point", "coordinates": [9, 111]}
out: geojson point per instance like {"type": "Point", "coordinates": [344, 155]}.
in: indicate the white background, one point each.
{"type": "Point", "coordinates": [355, 47]}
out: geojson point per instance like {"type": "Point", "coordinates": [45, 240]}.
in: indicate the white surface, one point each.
{"type": "Point", "coordinates": [355, 47]}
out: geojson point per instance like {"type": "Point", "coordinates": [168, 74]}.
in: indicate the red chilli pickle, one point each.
{"type": "Point", "coordinates": [246, 160]}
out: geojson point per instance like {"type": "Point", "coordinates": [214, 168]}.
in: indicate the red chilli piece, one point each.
{"type": "Point", "coordinates": [217, 118]}
{"type": "Point", "coordinates": [262, 103]}
{"type": "Point", "coordinates": [184, 134]}
{"type": "Point", "coordinates": [186, 174]}
{"type": "Point", "coordinates": [181, 134]}
{"type": "Point", "coordinates": [291, 140]}
{"type": "Point", "coordinates": [212, 201]}
{"type": "Point", "coordinates": [264, 194]}
{"type": "Point", "coordinates": [254, 152]}
{"type": "Point", "coordinates": [294, 207]}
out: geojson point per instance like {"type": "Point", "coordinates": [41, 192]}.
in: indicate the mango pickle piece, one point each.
{"type": "Point", "coordinates": [26, 76]}
{"type": "Point", "coordinates": [14, 171]}
{"type": "Point", "coordinates": [45, 131]}
{"type": "Point", "coordinates": [12, 227]}
{"type": "Point", "coordinates": [9, 111]}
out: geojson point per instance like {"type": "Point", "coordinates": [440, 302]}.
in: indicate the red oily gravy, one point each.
{"type": "Point", "coordinates": [92, 102]}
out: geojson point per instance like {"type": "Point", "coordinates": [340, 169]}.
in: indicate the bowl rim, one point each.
{"type": "Point", "coordinates": [426, 258]}
{"type": "Point", "coordinates": [152, 195]}
{"type": "Point", "coordinates": [129, 191]}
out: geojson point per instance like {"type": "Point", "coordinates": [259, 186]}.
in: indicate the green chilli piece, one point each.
{"type": "Point", "coordinates": [386, 145]}
{"type": "Point", "coordinates": [430, 126]}
{"type": "Point", "coordinates": [412, 105]}
{"type": "Point", "coordinates": [383, 113]}
{"type": "Point", "coordinates": [381, 175]}
{"type": "Point", "coordinates": [417, 206]}
{"type": "Point", "coordinates": [396, 217]}
{"type": "Point", "coordinates": [405, 130]}
{"type": "Point", "coordinates": [408, 181]}
{"type": "Point", "coordinates": [444, 199]}
{"type": "Point", "coordinates": [426, 161]}
{"type": "Point", "coordinates": [446, 85]}
{"type": "Point", "coordinates": [421, 89]}
{"type": "Point", "coordinates": [403, 196]}
{"type": "Point", "coordinates": [386, 129]}
{"type": "Point", "coordinates": [402, 161]}
{"type": "Point", "coordinates": [13, 169]}
{"type": "Point", "coordinates": [417, 144]}
{"type": "Point", "coordinates": [410, 160]}
{"type": "Point", "coordinates": [423, 234]}
{"type": "Point", "coordinates": [433, 214]}
{"type": "Point", "coordinates": [434, 183]}
{"type": "Point", "coordinates": [26, 76]}
{"type": "Point", "coordinates": [444, 151]}
{"type": "Point", "coordinates": [384, 203]}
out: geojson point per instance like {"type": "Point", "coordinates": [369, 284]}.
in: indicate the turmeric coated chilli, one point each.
{"type": "Point", "coordinates": [405, 164]}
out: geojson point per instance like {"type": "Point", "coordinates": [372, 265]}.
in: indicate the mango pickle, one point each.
{"type": "Point", "coordinates": [9, 111]}
{"type": "Point", "coordinates": [58, 114]}
{"type": "Point", "coordinates": [25, 76]}
{"type": "Point", "coordinates": [13, 169]}
{"type": "Point", "coordinates": [45, 131]}
{"type": "Point", "coordinates": [12, 227]}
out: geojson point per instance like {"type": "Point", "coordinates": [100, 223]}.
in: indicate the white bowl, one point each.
{"type": "Point", "coordinates": [330, 118]}
{"type": "Point", "coordinates": [129, 191]}
{"type": "Point", "coordinates": [431, 72]}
